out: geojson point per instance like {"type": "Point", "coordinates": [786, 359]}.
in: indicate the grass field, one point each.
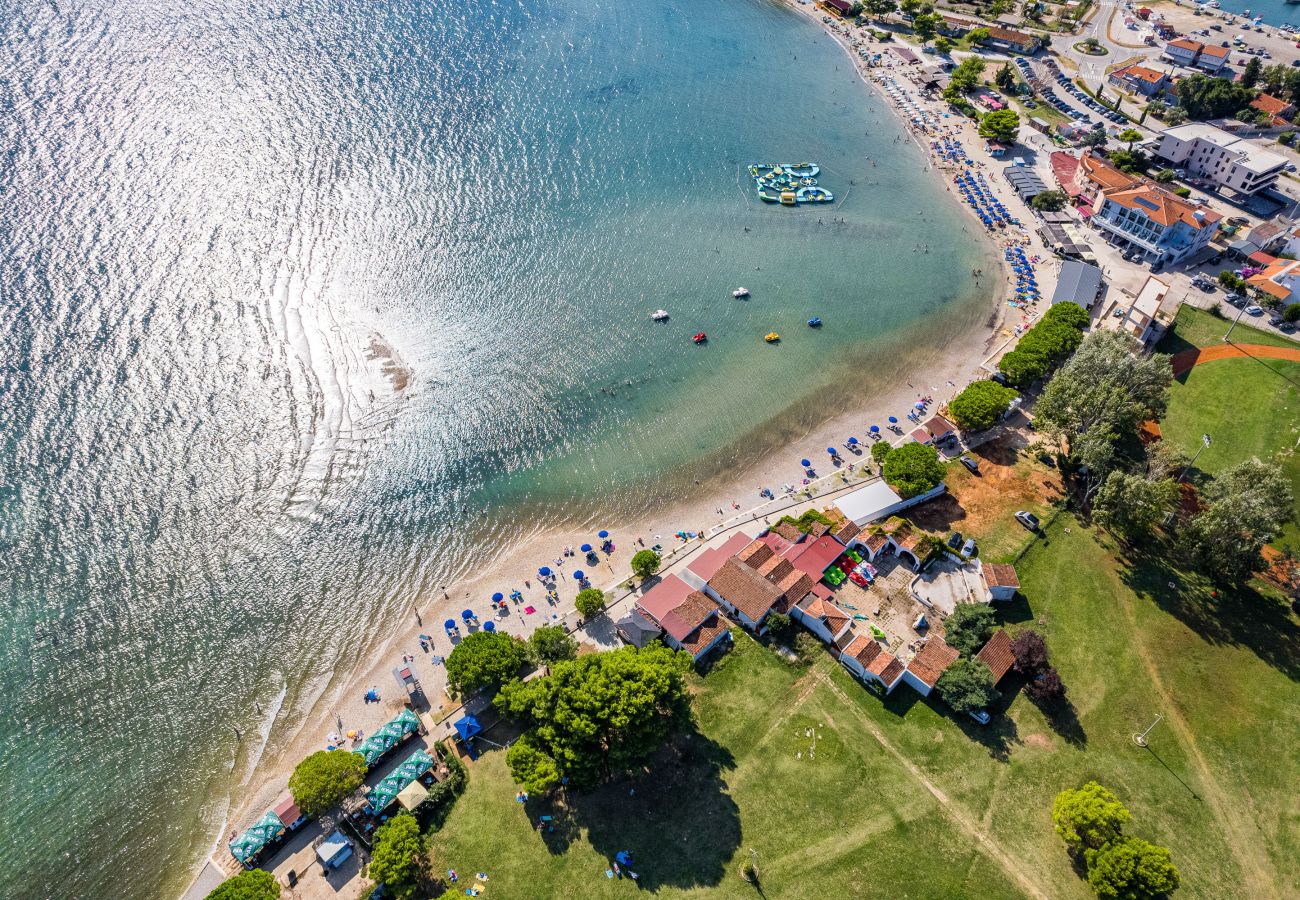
{"type": "Point", "coordinates": [901, 799]}
{"type": "Point", "coordinates": [1198, 328]}
{"type": "Point", "coordinates": [1250, 408]}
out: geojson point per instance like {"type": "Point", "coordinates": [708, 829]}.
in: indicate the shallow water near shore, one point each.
{"type": "Point", "coordinates": [308, 307]}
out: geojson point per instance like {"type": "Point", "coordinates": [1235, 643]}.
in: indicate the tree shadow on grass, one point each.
{"type": "Point", "coordinates": [1237, 616]}
{"type": "Point", "coordinates": [941, 514]}
{"type": "Point", "coordinates": [677, 819]}
{"type": "Point", "coordinates": [998, 737]}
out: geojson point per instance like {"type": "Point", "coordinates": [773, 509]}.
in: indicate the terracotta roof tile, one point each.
{"type": "Point", "coordinates": [932, 660]}
{"type": "Point", "coordinates": [775, 569]}
{"type": "Point", "coordinates": [997, 655]}
{"type": "Point", "coordinates": [864, 649]}
{"type": "Point", "coordinates": [689, 615]}
{"type": "Point", "coordinates": [892, 671]}
{"type": "Point", "coordinates": [1162, 206]}
{"type": "Point", "coordinates": [755, 554]}
{"type": "Point", "coordinates": [745, 589]}
{"type": "Point", "coordinates": [875, 542]}
{"type": "Point", "coordinates": [789, 531]}
{"type": "Point", "coordinates": [705, 634]}
{"type": "Point", "coordinates": [1001, 575]}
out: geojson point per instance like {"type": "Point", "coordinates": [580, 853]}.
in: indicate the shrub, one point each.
{"type": "Point", "coordinates": [968, 626]}
{"type": "Point", "coordinates": [913, 469]}
{"type": "Point", "coordinates": [805, 521]}
{"type": "Point", "coordinates": [1292, 313]}
{"type": "Point", "coordinates": [879, 450]}
{"type": "Point", "coordinates": [980, 404]}
{"type": "Point", "coordinates": [645, 563]}
{"type": "Point", "coordinates": [589, 601]}
{"type": "Point", "coordinates": [777, 623]}
{"type": "Point", "coordinates": [397, 857]}
{"type": "Point", "coordinates": [1045, 346]}
{"type": "Point", "coordinates": [324, 778]}
{"type": "Point", "coordinates": [1129, 867]}
{"type": "Point", "coordinates": [485, 659]}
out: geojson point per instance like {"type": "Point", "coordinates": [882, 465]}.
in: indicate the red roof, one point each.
{"type": "Point", "coordinates": [664, 597]}
{"type": "Point", "coordinates": [933, 659]}
{"type": "Point", "coordinates": [690, 615]}
{"type": "Point", "coordinates": [815, 556]}
{"type": "Point", "coordinates": [1064, 165]}
{"type": "Point", "coordinates": [997, 655]}
{"type": "Point", "coordinates": [286, 810]}
{"type": "Point", "coordinates": [712, 559]}
{"type": "Point", "coordinates": [1264, 259]}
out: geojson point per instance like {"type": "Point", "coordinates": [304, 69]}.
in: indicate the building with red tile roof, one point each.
{"type": "Point", "coordinates": [815, 556]}
{"type": "Point", "coordinates": [864, 656]}
{"type": "Point", "coordinates": [707, 563]}
{"type": "Point", "coordinates": [823, 618]}
{"type": "Point", "coordinates": [690, 619]}
{"type": "Point", "coordinates": [1279, 111]}
{"type": "Point", "coordinates": [923, 670]}
{"type": "Point", "coordinates": [1000, 579]}
{"type": "Point", "coordinates": [745, 593]}
{"type": "Point", "coordinates": [996, 654]}
{"type": "Point", "coordinates": [1141, 80]}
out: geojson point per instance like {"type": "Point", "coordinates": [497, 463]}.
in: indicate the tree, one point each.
{"type": "Point", "coordinates": [1000, 7]}
{"type": "Point", "coordinates": [968, 626]}
{"type": "Point", "coordinates": [1292, 313]}
{"type": "Point", "coordinates": [1046, 687]}
{"type": "Point", "coordinates": [324, 778]}
{"type": "Point", "coordinates": [1134, 162]}
{"type": "Point", "coordinates": [645, 563]}
{"type": "Point", "coordinates": [914, 8]}
{"type": "Point", "coordinates": [926, 25]}
{"type": "Point", "coordinates": [1132, 506]}
{"type": "Point", "coordinates": [485, 659]}
{"type": "Point", "coordinates": [1129, 868]}
{"type": "Point", "coordinates": [1030, 651]}
{"type": "Point", "coordinates": [1166, 460]}
{"type": "Point", "coordinates": [1089, 817]}
{"type": "Point", "coordinates": [1130, 136]}
{"type": "Point", "coordinates": [397, 859]}
{"type": "Point", "coordinates": [531, 767]}
{"type": "Point", "coordinates": [1033, 11]}
{"type": "Point", "coordinates": [591, 600]}
{"type": "Point", "coordinates": [1094, 140]}
{"type": "Point", "coordinates": [967, 685]}
{"type": "Point", "coordinates": [979, 404]}
{"type": "Point", "coordinates": [966, 76]}
{"type": "Point", "coordinates": [250, 884]}
{"type": "Point", "coordinates": [1231, 281]}
{"type": "Point", "coordinates": [598, 715]}
{"type": "Point", "coordinates": [1005, 78]}
{"type": "Point", "coordinates": [880, 9]}
{"type": "Point", "coordinates": [1203, 97]}
{"type": "Point", "coordinates": [776, 622]}
{"type": "Point", "coordinates": [1247, 505]}
{"type": "Point", "coordinates": [880, 450]}
{"type": "Point", "coordinates": [978, 36]}
{"type": "Point", "coordinates": [1250, 75]}
{"type": "Point", "coordinates": [1000, 125]}
{"type": "Point", "coordinates": [913, 469]}
{"type": "Point", "coordinates": [1045, 345]}
{"type": "Point", "coordinates": [943, 44]}
{"type": "Point", "coordinates": [1175, 116]}
{"type": "Point", "coordinates": [1049, 201]}
{"type": "Point", "coordinates": [551, 644]}
{"type": "Point", "coordinates": [1165, 176]}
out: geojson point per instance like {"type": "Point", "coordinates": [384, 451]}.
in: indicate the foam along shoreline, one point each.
{"type": "Point", "coordinates": [314, 708]}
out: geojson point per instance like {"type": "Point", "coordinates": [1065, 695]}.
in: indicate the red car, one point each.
{"type": "Point", "coordinates": [859, 579]}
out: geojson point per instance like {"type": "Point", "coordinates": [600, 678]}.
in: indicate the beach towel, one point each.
{"type": "Point", "coordinates": [529, 610]}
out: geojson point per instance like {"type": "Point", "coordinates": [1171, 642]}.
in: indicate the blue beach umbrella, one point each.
{"type": "Point", "coordinates": [544, 571]}
{"type": "Point", "coordinates": [602, 534]}
{"type": "Point", "coordinates": [498, 597]}
{"type": "Point", "coordinates": [875, 429]}
{"type": "Point", "coordinates": [805, 463]}
{"type": "Point", "coordinates": [831, 451]}
{"type": "Point", "coordinates": [489, 626]}
{"type": "Point", "coordinates": [893, 421]}
{"type": "Point", "coordinates": [450, 624]}
{"type": "Point", "coordinates": [853, 442]}
{"type": "Point", "coordinates": [579, 575]}
{"type": "Point", "coordinates": [467, 614]}
{"type": "Point", "coordinates": [585, 548]}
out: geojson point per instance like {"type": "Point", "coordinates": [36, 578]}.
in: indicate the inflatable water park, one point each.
{"type": "Point", "coordinates": [789, 184]}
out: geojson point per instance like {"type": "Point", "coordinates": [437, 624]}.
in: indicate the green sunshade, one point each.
{"type": "Point", "coordinates": [251, 842]}
{"type": "Point", "coordinates": [387, 790]}
{"type": "Point", "coordinates": [389, 735]}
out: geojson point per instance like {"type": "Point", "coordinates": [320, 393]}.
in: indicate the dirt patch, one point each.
{"type": "Point", "coordinates": [1282, 572]}
{"type": "Point", "coordinates": [1041, 741]}
{"type": "Point", "coordinates": [1008, 481]}
{"type": "Point", "coordinates": [1182, 362]}
{"type": "Point", "coordinates": [1149, 432]}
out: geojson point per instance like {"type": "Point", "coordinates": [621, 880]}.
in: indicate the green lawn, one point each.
{"type": "Point", "coordinates": [1250, 408]}
{"type": "Point", "coordinates": [901, 799]}
{"type": "Point", "coordinates": [1198, 328]}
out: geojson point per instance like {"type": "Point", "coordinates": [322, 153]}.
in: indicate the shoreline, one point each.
{"type": "Point", "coordinates": [259, 773]}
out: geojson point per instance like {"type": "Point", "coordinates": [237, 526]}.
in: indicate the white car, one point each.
{"type": "Point", "coordinates": [1253, 310]}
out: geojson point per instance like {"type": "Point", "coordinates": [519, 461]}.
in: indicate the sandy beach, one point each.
{"type": "Point", "coordinates": [937, 371]}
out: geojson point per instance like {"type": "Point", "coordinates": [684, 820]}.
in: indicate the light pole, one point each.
{"type": "Point", "coordinates": [1141, 739]}
{"type": "Point", "coordinates": [1235, 321]}
{"type": "Point", "coordinates": [1205, 442]}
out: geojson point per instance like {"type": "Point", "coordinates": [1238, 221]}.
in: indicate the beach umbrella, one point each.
{"type": "Point", "coordinates": [919, 405]}
{"type": "Point", "coordinates": [831, 451]}
{"type": "Point", "coordinates": [602, 534]}
{"type": "Point", "coordinates": [467, 614]}
{"type": "Point", "coordinates": [585, 548]}
{"type": "Point", "coordinates": [544, 571]}
{"type": "Point", "coordinates": [805, 463]}
{"type": "Point", "coordinates": [893, 421]}
{"type": "Point", "coordinates": [450, 624]}
{"type": "Point", "coordinates": [579, 575]}
{"type": "Point", "coordinates": [875, 429]}
{"type": "Point", "coordinates": [498, 597]}
{"type": "Point", "coordinates": [489, 626]}
{"type": "Point", "coordinates": [853, 442]}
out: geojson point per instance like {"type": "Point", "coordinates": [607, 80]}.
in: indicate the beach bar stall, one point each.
{"type": "Point", "coordinates": [248, 847]}
{"type": "Point", "coordinates": [412, 768]}
{"type": "Point", "coordinates": [388, 736]}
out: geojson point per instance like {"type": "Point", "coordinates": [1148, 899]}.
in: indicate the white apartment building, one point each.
{"type": "Point", "coordinates": [1225, 159]}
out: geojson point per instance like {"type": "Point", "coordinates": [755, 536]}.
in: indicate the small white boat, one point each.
{"type": "Point", "coordinates": [660, 315]}
{"type": "Point", "coordinates": [740, 292]}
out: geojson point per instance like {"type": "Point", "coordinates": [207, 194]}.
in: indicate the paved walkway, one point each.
{"type": "Point", "coordinates": [1184, 361]}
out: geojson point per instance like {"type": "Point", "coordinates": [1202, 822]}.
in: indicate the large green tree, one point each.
{"type": "Point", "coordinates": [968, 626]}
{"type": "Point", "coordinates": [1000, 125]}
{"type": "Point", "coordinates": [1129, 868]}
{"type": "Point", "coordinates": [1203, 97]}
{"type": "Point", "coordinates": [397, 861]}
{"type": "Point", "coordinates": [551, 644]}
{"type": "Point", "coordinates": [880, 9]}
{"type": "Point", "coordinates": [485, 659]}
{"type": "Point", "coordinates": [967, 685]}
{"type": "Point", "coordinates": [926, 26]}
{"type": "Point", "coordinates": [966, 76]}
{"type": "Point", "coordinates": [597, 716]}
{"type": "Point", "coordinates": [1088, 817]}
{"type": "Point", "coordinates": [251, 884]}
{"type": "Point", "coordinates": [1131, 505]}
{"type": "Point", "coordinates": [324, 778]}
{"type": "Point", "coordinates": [979, 404]}
{"type": "Point", "coordinates": [589, 601]}
{"type": "Point", "coordinates": [1247, 506]}
{"type": "Point", "coordinates": [1250, 74]}
{"type": "Point", "coordinates": [913, 469]}
{"type": "Point", "coordinates": [645, 563]}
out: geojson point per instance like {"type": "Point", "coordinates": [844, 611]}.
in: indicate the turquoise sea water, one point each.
{"type": "Point", "coordinates": [1274, 12]}
{"type": "Point", "coordinates": [308, 304]}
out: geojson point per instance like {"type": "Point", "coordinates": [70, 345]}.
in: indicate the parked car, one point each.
{"type": "Point", "coordinates": [955, 541]}
{"type": "Point", "coordinates": [859, 579]}
{"type": "Point", "coordinates": [1286, 327]}
{"type": "Point", "coordinates": [968, 548]}
{"type": "Point", "coordinates": [971, 464]}
{"type": "Point", "coordinates": [979, 716]}
{"type": "Point", "coordinates": [1254, 310]}
{"type": "Point", "coordinates": [1275, 320]}
{"type": "Point", "coordinates": [1235, 299]}
{"type": "Point", "coordinates": [1000, 379]}
{"type": "Point", "coordinates": [1027, 519]}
